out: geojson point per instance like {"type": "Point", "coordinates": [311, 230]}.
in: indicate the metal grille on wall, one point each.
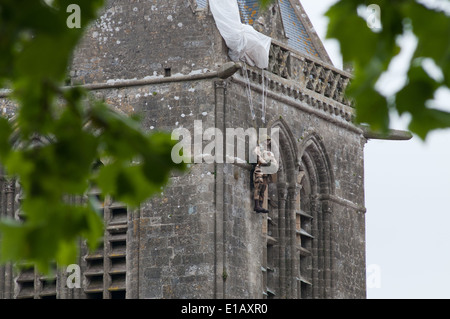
{"type": "Point", "coordinates": [304, 237]}
{"type": "Point", "coordinates": [104, 270]}
{"type": "Point", "coordinates": [105, 275]}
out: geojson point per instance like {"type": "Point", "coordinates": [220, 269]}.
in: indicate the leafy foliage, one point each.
{"type": "Point", "coordinates": [371, 51]}
{"type": "Point", "coordinates": [59, 136]}
{"type": "Point", "coordinates": [265, 3]}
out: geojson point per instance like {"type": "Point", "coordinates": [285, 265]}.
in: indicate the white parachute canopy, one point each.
{"type": "Point", "coordinates": [245, 43]}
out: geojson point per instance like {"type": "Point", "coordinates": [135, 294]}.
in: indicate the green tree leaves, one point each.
{"type": "Point", "coordinates": [371, 51]}
{"type": "Point", "coordinates": [265, 3]}
{"type": "Point", "coordinates": [62, 144]}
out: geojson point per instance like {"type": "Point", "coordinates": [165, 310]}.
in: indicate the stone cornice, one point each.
{"type": "Point", "coordinates": [293, 94]}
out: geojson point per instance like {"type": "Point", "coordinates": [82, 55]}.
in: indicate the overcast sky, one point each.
{"type": "Point", "coordinates": [407, 189]}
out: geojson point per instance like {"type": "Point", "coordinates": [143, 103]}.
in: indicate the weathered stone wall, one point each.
{"type": "Point", "coordinates": [176, 228]}
{"type": "Point", "coordinates": [344, 147]}
{"type": "Point", "coordinates": [151, 39]}
{"type": "Point", "coordinates": [200, 238]}
{"type": "Point", "coordinates": [137, 39]}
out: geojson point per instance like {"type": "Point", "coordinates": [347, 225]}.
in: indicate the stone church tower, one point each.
{"type": "Point", "coordinates": [200, 238]}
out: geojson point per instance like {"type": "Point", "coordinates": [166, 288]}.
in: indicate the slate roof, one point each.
{"type": "Point", "coordinates": [249, 10]}
{"type": "Point", "coordinates": [298, 37]}
{"type": "Point", "coordinates": [201, 4]}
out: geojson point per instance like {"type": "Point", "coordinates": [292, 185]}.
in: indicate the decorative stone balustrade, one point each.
{"type": "Point", "coordinates": [325, 80]}
{"type": "Point", "coordinates": [305, 79]}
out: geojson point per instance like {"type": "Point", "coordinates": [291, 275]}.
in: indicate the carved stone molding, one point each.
{"type": "Point", "coordinates": [282, 191]}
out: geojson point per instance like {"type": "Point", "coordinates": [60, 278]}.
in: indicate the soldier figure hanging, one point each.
{"type": "Point", "coordinates": [265, 158]}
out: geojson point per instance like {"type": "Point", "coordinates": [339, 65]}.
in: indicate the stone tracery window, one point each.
{"type": "Point", "coordinates": [297, 256]}
{"type": "Point", "coordinates": [313, 221]}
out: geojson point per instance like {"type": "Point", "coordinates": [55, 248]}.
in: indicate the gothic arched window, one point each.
{"type": "Point", "coordinates": [312, 221]}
